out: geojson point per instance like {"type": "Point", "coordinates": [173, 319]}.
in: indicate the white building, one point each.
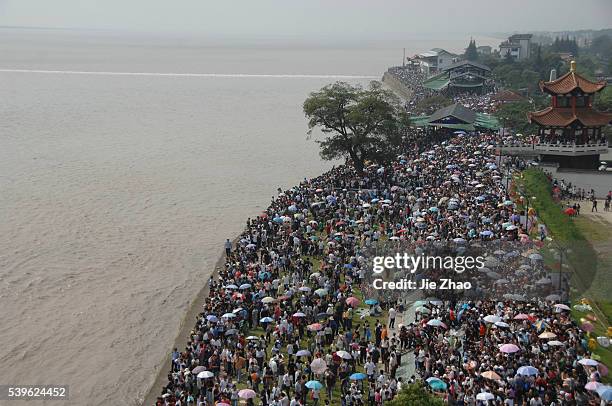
{"type": "Point", "coordinates": [517, 45]}
{"type": "Point", "coordinates": [435, 60]}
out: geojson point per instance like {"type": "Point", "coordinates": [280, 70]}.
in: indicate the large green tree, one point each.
{"type": "Point", "coordinates": [415, 395]}
{"type": "Point", "coordinates": [514, 116]}
{"type": "Point", "coordinates": [361, 124]}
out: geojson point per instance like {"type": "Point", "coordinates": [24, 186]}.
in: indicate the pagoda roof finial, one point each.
{"type": "Point", "coordinates": [573, 66]}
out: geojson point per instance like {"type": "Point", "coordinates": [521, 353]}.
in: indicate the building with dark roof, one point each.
{"type": "Point", "coordinates": [457, 117]}
{"type": "Point", "coordinates": [462, 77]}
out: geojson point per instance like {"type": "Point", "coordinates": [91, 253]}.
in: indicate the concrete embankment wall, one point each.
{"type": "Point", "coordinates": [397, 86]}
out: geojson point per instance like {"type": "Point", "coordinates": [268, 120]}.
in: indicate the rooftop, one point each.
{"type": "Point", "coordinates": [570, 82]}
{"type": "Point", "coordinates": [563, 117]}
{"type": "Point", "coordinates": [471, 63]}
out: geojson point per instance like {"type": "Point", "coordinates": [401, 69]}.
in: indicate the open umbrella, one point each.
{"type": "Point", "coordinates": [245, 286]}
{"type": "Point", "coordinates": [212, 318]}
{"type": "Point", "coordinates": [490, 375]}
{"type": "Point", "coordinates": [527, 370]}
{"type": "Point", "coordinates": [266, 320]}
{"type": "Point", "coordinates": [358, 376]}
{"type": "Point", "coordinates": [562, 306]}
{"type": "Point", "coordinates": [547, 335]}
{"type": "Point", "coordinates": [343, 354]}
{"type": "Point", "coordinates": [605, 392]}
{"type": "Point", "coordinates": [492, 319]}
{"type": "Point", "coordinates": [508, 348]}
{"type": "Point", "coordinates": [303, 353]}
{"type": "Point", "coordinates": [315, 385]}
{"type": "Point", "coordinates": [436, 384]}
{"type": "Point", "coordinates": [592, 386]}
{"type": "Point", "coordinates": [268, 299]}
{"type": "Point", "coordinates": [588, 362]}
{"type": "Point", "coordinates": [555, 343]}
{"type": "Point", "coordinates": [352, 301]}
{"type": "Point", "coordinates": [198, 369]}
{"type": "Point", "coordinates": [228, 316]}
{"type": "Point", "coordinates": [436, 323]}
{"type": "Point", "coordinates": [315, 327]}
{"type": "Point", "coordinates": [206, 374]}
{"type": "Point", "coordinates": [485, 396]}
{"type": "Point", "coordinates": [569, 211]}
{"type": "Point", "coordinates": [247, 394]}
{"type": "Point", "coordinates": [321, 292]}
{"type": "Point", "coordinates": [299, 314]}
{"type": "Point", "coordinates": [318, 366]}
{"type": "Point", "coordinates": [371, 302]}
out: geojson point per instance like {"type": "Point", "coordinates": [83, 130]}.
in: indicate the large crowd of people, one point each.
{"type": "Point", "coordinates": [288, 321]}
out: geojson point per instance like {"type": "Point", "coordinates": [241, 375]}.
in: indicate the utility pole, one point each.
{"type": "Point", "coordinates": [404, 59]}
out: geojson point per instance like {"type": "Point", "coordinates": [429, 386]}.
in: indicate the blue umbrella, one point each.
{"type": "Point", "coordinates": [486, 233]}
{"type": "Point", "coordinates": [605, 392]}
{"type": "Point", "coordinates": [527, 370]}
{"type": "Point", "coordinates": [245, 286]}
{"type": "Point", "coordinates": [266, 320]}
{"type": "Point", "coordinates": [371, 302]}
{"type": "Point", "coordinates": [349, 266]}
{"type": "Point", "coordinates": [437, 384]}
{"type": "Point", "coordinates": [433, 209]}
{"type": "Point", "coordinates": [314, 385]}
{"type": "Point", "coordinates": [212, 318]}
{"type": "Point", "coordinates": [277, 219]}
{"type": "Point", "coordinates": [358, 376]}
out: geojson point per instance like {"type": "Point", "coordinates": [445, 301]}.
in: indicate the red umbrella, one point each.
{"type": "Point", "coordinates": [569, 211]}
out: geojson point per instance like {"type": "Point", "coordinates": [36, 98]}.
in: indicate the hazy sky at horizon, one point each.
{"type": "Point", "coordinates": [310, 18]}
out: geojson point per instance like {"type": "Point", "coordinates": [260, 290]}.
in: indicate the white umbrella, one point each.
{"type": "Point", "coordinates": [492, 319]}
{"type": "Point", "coordinates": [318, 366]}
{"type": "Point", "coordinates": [205, 375]}
{"type": "Point", "coordinates": [588, 362]}
{"type": "Point", "coordinates": [485, 396]}
{"type": "Point", "coordinates": [343, 354]}
{"type": "Point", "coordinates": [303, 353]}
{"type": "Point", "coordinates": [268, 299]}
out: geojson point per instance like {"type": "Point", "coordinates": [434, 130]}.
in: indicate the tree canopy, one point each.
{"type": "Point", "coordinates": [471, 52]}
{"type": "Point", "coordinates": [361, 124]}
{"type": "Point", "coordinates": [415, 395]}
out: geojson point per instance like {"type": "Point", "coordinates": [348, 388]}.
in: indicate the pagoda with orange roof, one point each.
{"type": "Point", "coordinates": [570, 130]}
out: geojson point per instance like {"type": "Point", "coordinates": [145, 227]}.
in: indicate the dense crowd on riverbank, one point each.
{"type": "Point", "coordinates": [290, 320]}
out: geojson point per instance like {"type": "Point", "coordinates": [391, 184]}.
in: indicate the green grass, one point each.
{"type": "Point", "coordinates": [576, 236]}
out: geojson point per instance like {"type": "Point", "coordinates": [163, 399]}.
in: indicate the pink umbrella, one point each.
{"type": "Point", "coordinates": [198, 369]}
{"type": "Point", "coordinates": [247, 393]}
{"type": "Point", "coordinates": [509, 348]}
{"type": "Point", "coordinates": [318, 366]}
{"type": "Point", "coordinates": [352, 301]}
{"type": "Point", "coordinates": [586, 326]}
{"type": "Point", "coordinates": [603, 370]}
{"type": "Point", "coordinates": [315, 327]}
{"type": "Point", "coordinates": [223, 404]}
{"type": "Point", "coordinates": [521, 316]}
{"type": "Point", "coordinates": [592, 385]}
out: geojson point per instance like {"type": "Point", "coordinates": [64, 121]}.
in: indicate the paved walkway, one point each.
{"type": "Point", "coordinates": [406, 368]}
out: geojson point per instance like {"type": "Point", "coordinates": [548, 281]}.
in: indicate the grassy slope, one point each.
{"type": "Point", "coordinates": [578, 235]}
